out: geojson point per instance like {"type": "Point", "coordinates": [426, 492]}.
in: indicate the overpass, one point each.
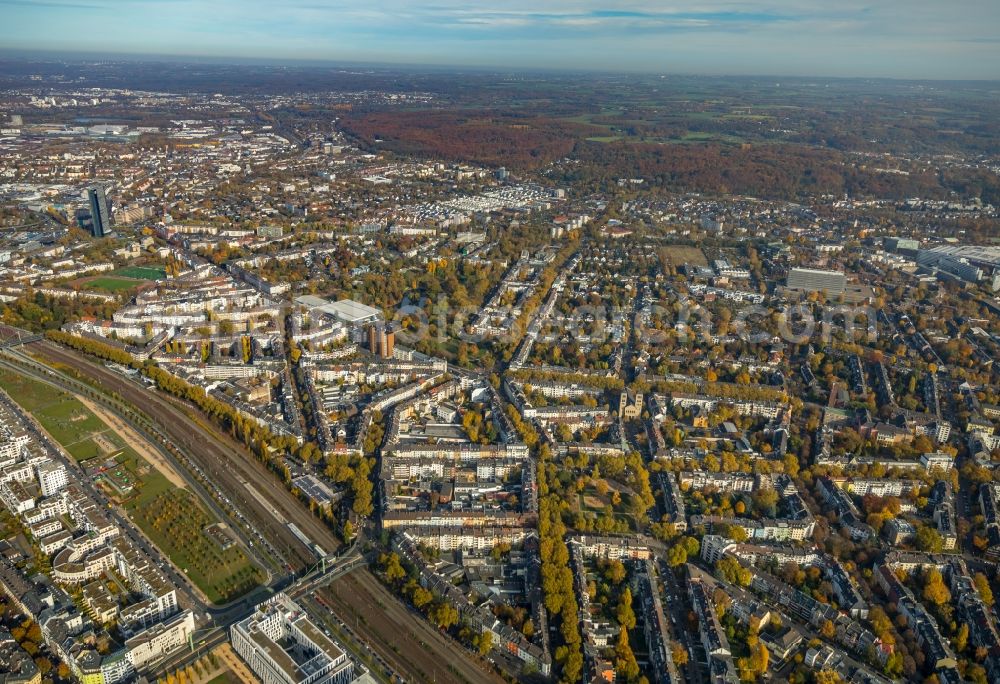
{"type": "Point", "coordinates": [204, 640]}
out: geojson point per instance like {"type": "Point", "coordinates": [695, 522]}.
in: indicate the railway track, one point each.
{"type": "Point", "coordinates": [403, 639]}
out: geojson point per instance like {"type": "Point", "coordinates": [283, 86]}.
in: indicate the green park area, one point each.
{"type": "Point", "coordinates": [122, 279]}
{"type": "Point", "coordinates": [176, 523]}
{"type": "Point", "coordinates": [601, 508]}
{"type": "Point", "coordinates": [226, 677]}
{"type": "Point", "coordinates": [170, 516]}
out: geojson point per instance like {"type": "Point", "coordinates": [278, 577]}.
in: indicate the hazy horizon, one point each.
{"type": "Point", "coordinates": [899, 39]}
{"type": "Point", "coordinates": [82, 57]}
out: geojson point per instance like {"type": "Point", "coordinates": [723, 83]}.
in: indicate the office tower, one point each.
{"type": "Point", "coordinates": [100, 211]}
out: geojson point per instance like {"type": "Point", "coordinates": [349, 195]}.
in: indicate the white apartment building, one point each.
{"type": "Point", "coordinates": [52, 478]}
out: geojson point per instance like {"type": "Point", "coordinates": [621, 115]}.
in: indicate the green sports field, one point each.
{"type": "Point", "coordinates": [140, 273]}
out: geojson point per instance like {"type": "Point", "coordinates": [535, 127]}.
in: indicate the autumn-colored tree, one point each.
{"type": "Point", "coordinates": [615, 572]}
{"type": "Point", "coordinates": [935, 590]}
{"type": "Point", "coordinates": [485, 643]}
{"type": "Point", "coordinates": [421, 597]}
{"type": "Point", "coordinates": [391, 567]}
{"type": "Point", "coordinates": [528, 628]}
{"type": "Point", "coordinates": [443, 614]}
{"type": "Point", "coordinates": [983, 587]}
{"type": "Point", "coordinates": [730, 570]}
{"type": "Point", "coordinates": [624, 614]}
{"type": "Point", "coordinates": [962, 637]}
{"type": "Point", "coordinates": [676, 556]}
{"type": "Point", "coordinates": [625, 662]}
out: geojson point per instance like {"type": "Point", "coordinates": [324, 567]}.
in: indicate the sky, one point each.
{"type": "Point", "coordinates": [932, 39]}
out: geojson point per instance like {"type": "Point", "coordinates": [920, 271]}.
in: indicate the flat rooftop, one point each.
{"type": "Point", "coordinates": [346, 310]}
{"type": "Point", "coordinates": [351, 311]}
{"type": "Point", "coordinates": [314, 488]}
{"type": "Point", "coordinates": [321, 640]}
{"type": "Point", "coordinates": [311, 300]}
{"type": "Point", "coordinates": [278, 656]}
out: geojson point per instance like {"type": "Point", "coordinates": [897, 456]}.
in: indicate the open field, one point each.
{"type": "Point", "coordinates": [63, 416]}
{"type": "Point", "coordinates": [593, 502]}
{"type": "Point", "coordinates": [404, 639]}
{"type": "Point", "coordinates": [140, 273]}
{"type": "Point", "coordinates": [144, 450]}
{"type": "Point", "coordinates": [682, 254]}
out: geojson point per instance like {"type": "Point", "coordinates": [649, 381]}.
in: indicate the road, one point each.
{"type": "Point", "coordinates": [675, 602]}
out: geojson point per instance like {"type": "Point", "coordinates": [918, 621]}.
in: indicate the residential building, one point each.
{"type": "Point", "coordinates": [52, 478]}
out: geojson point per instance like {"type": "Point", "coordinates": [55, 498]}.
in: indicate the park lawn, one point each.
{"type": "Point", "coordinates": [110, 284]}
{"type": "Point", "coordinates": [68, 421]}
{"type": "Point", "coordinates": [214, 571]}
{"type": "Point", "coordinates": [140, 273]}
{"type": "Point", "coordinates": [175, 522]}
{"type": "Point", "coordinates": [153, 485]}
{"type": "Point", "coordinates": [84, 449]}
{"type": "Point", "coordinates": [71, 424]}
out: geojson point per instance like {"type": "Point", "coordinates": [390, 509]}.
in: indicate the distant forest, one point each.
{"type": "Point", "coordinates": [770, 169]}
{"type": "Point", "coordinates": [522, 142]}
